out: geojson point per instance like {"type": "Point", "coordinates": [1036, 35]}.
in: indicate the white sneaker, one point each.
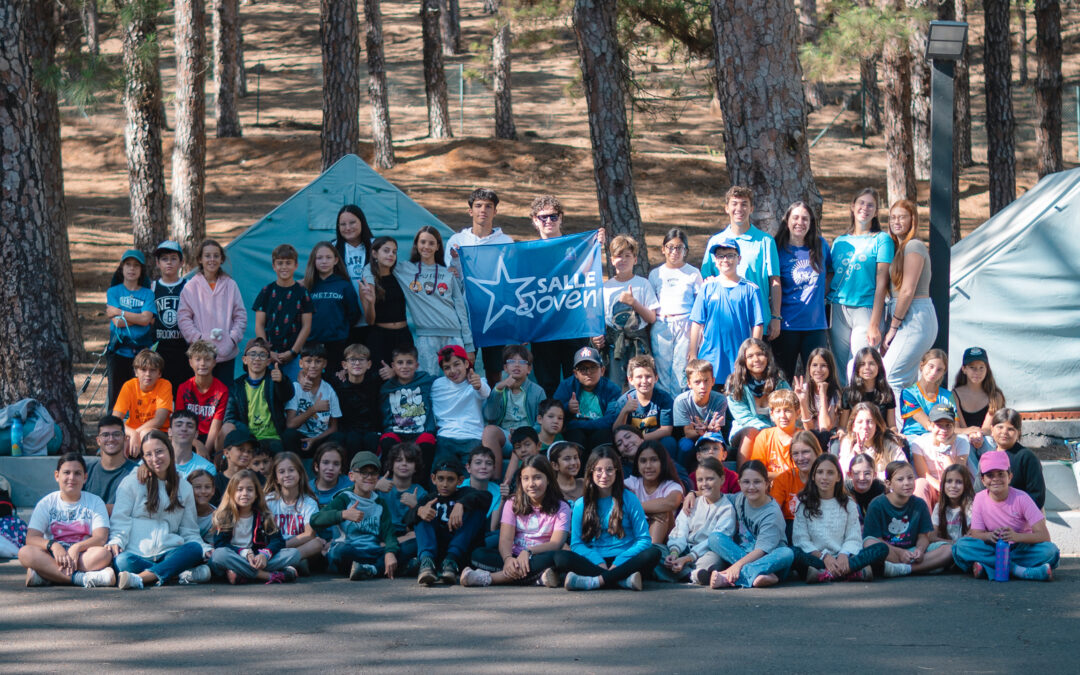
{"type": "Point", "coordinates": [35, 579]}
{"type": "Point", "coordinates": [128, 581]}
{"type": "Point", "coordinates": [105, 577]}
{"type": "Point", "coordinates": [632, 582]}
{"type": "Point", "coordinates": [897, 569]}
{"type": "Point", "coordinates": [196, 575]}
{"type": "Point", "coordinates": [472, 577]}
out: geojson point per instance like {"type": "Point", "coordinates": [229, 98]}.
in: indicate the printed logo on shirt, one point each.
{"type": "Point", "coordinates": [408, 410]}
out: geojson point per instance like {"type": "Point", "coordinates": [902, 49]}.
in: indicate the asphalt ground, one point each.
{"type": "Point", "coordinates": [945, 623]}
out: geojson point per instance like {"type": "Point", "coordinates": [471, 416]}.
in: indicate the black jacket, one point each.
{"type": "Point", "coordinates": [277, 394]}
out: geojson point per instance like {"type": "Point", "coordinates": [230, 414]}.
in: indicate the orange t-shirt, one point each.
{"type": "Point", "coordinates": [140, 406]}
{"type": "Point", "coordinates": [771, 447]}
{"type": "Point", "coordinates": [785, 490]}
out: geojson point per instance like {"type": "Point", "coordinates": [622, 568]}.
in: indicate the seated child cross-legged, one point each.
{"type": "Point", "coordinates": [827, 536]}
{"type": "Point", "coordinates": [656, 485]}
{"type": "Point", "coordinates": [756, 555]}
{"type": "Point", "coordinates": [366, 546]}
{"type": "Point", "coordinates": [609, 529]}
{"type": "Point", "coordinates": [1004, 513]}
{"type": "Point", "coordinates": [249, 546]}
{"type": "Point", "coordinates": [535, 525]}
{"type": "Point", "coordinates": [403, 496]}
{"type": "Point", "coordinates": [290, 499]}
{"type": "Point", "coordinates": [66, 536]}
{"type": "Point", "coordinates": [565, 458]}
{"type": "Point", "coordinates": [451, 523]}
{"type": "Point", "coordinates": [688, 545]}
{"type": "Point", "coordinates": [903, 522]}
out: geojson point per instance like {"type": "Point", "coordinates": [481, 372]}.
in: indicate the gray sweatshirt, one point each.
{"type": "Point", "coordinates": [441, 312]}
{"type": "Point", "coordinates": [765, 523]}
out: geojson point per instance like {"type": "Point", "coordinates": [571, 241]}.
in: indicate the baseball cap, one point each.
{"type": "Point", "coordinates": [447, 463]}
{"type": "Point", "coordinates": [725, 243]}
{"type": "Point", "coordinates": [453, 350]}
{"type": "Point", "coordinates": [993, 461]}
{"type": "Point", "coordinates": [587, 354]}
{"type": "Point", "coordinates": [974, 354]}
{"type": "Point", "coordinates": [710, 437]}
{"type": "Point", "coordinates": [239, 436]}
{"type": "Point", "coordinates": [169, 246]}
{"type": "Point", "coordinates": [941, 411]}
{"type": "Point", "coordinates": [362, 459]}
{"type": "Point", "coordinates": [133, 253]}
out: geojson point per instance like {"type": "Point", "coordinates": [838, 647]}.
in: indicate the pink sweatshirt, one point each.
{"type": "Point", "coordinates": [203, 309]}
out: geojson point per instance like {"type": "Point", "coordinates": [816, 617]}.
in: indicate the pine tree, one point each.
{"type": "Point", "coordinates": [226, 64]}
{"type": "Point", "coordinates": [434, 75]}
{"type": "Point", "coordinates": [339, 34]}
{"type": "Point", "coordinates": [378, 94]}
{"type": "Point", "coordinates": [1048, 86]}
{"type": "Point", "coordinates": [1000, 123]}
{"type": "Point", "coordinates": [189, 147]}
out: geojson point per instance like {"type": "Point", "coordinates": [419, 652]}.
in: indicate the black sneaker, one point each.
{"type": "Point", "coordinates": [427, 572]}
{"type": "Point", "coordinates": [449, 573]}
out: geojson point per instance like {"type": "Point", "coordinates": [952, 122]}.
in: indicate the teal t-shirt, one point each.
{"type": "Point", "coordinates": [589, 406]}
{"type": "Point", "coordinates": [855, 258]}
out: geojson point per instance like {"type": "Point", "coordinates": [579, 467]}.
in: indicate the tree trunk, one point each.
{"type": "Point", "coordinates": [963, 91]}
{"type": "Point", "coordinates": [44, 36]}
{"type": "Point", "coordinates": [339, 34]}
{"type": "Point", "coordinates": [377, 91]}
{"type": "Point", "coordinates": [920, 93]}
{"type": "Point", "coordinates": [450, 26]}
{"type": "Point", "coordinates": [1021, 10]}
{"type": "Point", "coordinates": [434, 76]}
{"type": "Point", "coordinates": [241, 70]}
{"type": "Point", "coordinates": [1048, 85]}
{"type": "Point", "coordinates": [604, 79]}
{"type": "Point", "coordinates": [764, 114]}
{"type": "Point", "coordinates": [1000, 123]}
{"type": "Point", "coordinates": [226, 32]}
{"type": "Point", "coordinates": [143, 124]}
{"type": "Point", "coordinates": [869, 81]}
{"type": "Point", "coordinates": [91, 26]}
{"type": "Point", "coordinates": [189, 148]}
{"type": "Point", "coordinates": [808, 33]}
{"type": "Point", "coordinates": [900, 156]}
{"type": "Point", "coordinates": [504, 110]}
{"type": "Point", "coordinates": [491, 6]}
{"type": "Point", "coordinates": [35, 357]}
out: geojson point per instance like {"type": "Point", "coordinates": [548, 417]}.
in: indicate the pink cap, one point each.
{"type": "Point", "coordinates": [992, 461]}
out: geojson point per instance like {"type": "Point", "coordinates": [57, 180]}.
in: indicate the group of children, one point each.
{"type": "Point", "coordinates": [608, 469]}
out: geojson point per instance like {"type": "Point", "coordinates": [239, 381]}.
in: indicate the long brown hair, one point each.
{"type": "Point", "coordinates": [966, 498]}
{"type": "Point", "coordinates": [590, 519]}
{"type": "Point", "coordinates": [875, 224]}
{"type": "Point", "coordinates": [553, 497]}
{"type": "Point", "coordinates": [272, 486]}
{"type": "Point", "coordinates": [150, 479]}
{"type": "Point", "coordinates": [989, 387]}
{"type": "Point", "coordinates": [311, 275]}
{"type": "Point", "coordinates": [228, 513]}
{"type": "Point", "coordinates": [809, 495]}
{"type": "Point", "coordinates": [813, 235]}
{"type": "Point", "coordinates": [740, 375]}
{"type": "Point", "coordinates": [440, 252]}
{"type": "Point", "coordinates": [896, 268]}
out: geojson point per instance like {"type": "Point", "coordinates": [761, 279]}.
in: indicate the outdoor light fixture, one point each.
{"type": "Point", "coordinates": [944, 45]}
{"type": "Point", "coordinates": [946, 40]}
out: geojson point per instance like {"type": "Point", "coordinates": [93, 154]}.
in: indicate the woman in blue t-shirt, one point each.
{"type": "Point", "coordinates": [860, 265]}
{"type": "Point", "coordinates": [804, 257]}
{"type": "Point", "coordinates": [129, 304]}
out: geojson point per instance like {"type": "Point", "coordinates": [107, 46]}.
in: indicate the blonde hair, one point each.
{"type": "Point", "coordinates": [896, 268]}
{"type": "Point", "coordinates": [624, 242]}
{"type": "Point", "coordinates": [784, 398]}
{"type": "Point", "coordinates": [228, 513]}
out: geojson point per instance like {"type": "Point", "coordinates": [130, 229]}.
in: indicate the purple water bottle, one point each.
{"type": "Point", "coordinates": [1001, 560]}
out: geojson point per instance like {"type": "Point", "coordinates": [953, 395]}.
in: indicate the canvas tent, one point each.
{"type": "Point", "coordinates": [310, 216]}
{"type": "Point", "coordinates": [1015, 292]}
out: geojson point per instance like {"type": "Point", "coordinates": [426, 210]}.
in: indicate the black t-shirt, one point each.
{"type": "Point", "coordinates": [283, 307]}
{"type": "Point", "coordinates": [360, 407]}
{"type": "Point", "coordinates": [391, 309]}
{"type": "Point", "coordinates": [166, 306]}
{"type": "Point", "coordinates": [852, 396]}
{"type": "Point", "coordinates": [863, 499]}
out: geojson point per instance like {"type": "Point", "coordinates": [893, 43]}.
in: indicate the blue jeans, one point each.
{"type": "Point", "coordinates": [164, 566]}
{"type": "Point", "coordinates": [342, 555]}
{"type": "Point", "coordinates": [228, 558]}
{"type": "Point", "coordinates": [778, 561]}
{"type": "Point", "coordinates": [435, 537]}
{"type": "Point", "coordinates": [969, 550]}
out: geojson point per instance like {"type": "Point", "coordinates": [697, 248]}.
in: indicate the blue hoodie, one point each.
{"type": "Point", "coordinates": [336, 307]}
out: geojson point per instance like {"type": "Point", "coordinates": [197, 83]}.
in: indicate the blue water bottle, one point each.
{"type": "Point", "coordinates": [16, 437]}
{"type": "Point", "coordinates": [1001, 560]}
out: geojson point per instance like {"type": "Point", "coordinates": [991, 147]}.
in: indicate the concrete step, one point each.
{"type": "Point", "coordinates": [1064, 527]}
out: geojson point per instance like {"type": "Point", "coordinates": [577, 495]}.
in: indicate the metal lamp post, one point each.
{"type": "Point", "coordinates": [944, 46]}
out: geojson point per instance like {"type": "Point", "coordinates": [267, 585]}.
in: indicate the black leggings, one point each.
{"type": "Point", "coordinates": [567, 561]}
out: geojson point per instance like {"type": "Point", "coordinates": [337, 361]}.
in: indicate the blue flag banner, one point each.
{"type": "Point", "coordinates": [533, 291]}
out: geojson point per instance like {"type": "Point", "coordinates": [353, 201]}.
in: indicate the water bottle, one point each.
{"type": "Point", "coordinates": [1001, 560]}
{"type": "Point", "coordinates": [16, 437]}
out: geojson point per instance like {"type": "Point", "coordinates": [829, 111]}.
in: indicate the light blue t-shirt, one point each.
{"type": "Point", "coordinates": [132, 338]}
{"type": "Point", "coordinates": [855, 258]}
{"type": "Point", "coordinates": [728, 315]}
{"type": "Point", "coordinates": [758, 261]}
{"type": "Point", "coordinates": [802, 303]}
{"type": "Point", "coordinates": [197, 461]}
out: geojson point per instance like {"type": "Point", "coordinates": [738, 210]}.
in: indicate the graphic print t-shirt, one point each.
{"type": "Point", "coordinates": [68, 523]}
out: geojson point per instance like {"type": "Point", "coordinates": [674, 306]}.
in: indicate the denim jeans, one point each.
{"type": "Point", "coordinates": [228, 558]}
{"type": "Point", "coordinates": [342, 555]}
{"type": "Point", "coordinates": [969, 550]}
{"type": "Point", "coordinates": [164, 566]}
{"type": "Point", "coordinates": [435, 537]}
{"type": "Point", "coordinates": [778, 561]}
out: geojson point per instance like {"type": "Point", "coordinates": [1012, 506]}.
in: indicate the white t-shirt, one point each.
{"type": "Point", "coordinates": [243, 532]}
{"type": "Point", "coordinates": [676, 288]}
{"type": "Point", "coordinates": [302, 400]}
{"type": "Point", "coordinates": [292, 518]}
{"type": "Point", "coordinates": [69, 523]}
{"type": "Point", "coordinates": [641, 289]}
{"type": "Point", "coordinates": [459, 408]}
{"type": "Point", "coordinates": [355, 260]}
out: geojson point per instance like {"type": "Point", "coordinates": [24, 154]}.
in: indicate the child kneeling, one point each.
{"type": "Point", "coordinates": [248, 545]}
{"type": "Point", "coordinates": [1003, 513]}
{"type": "Point", "coordinates": [366, 545]}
